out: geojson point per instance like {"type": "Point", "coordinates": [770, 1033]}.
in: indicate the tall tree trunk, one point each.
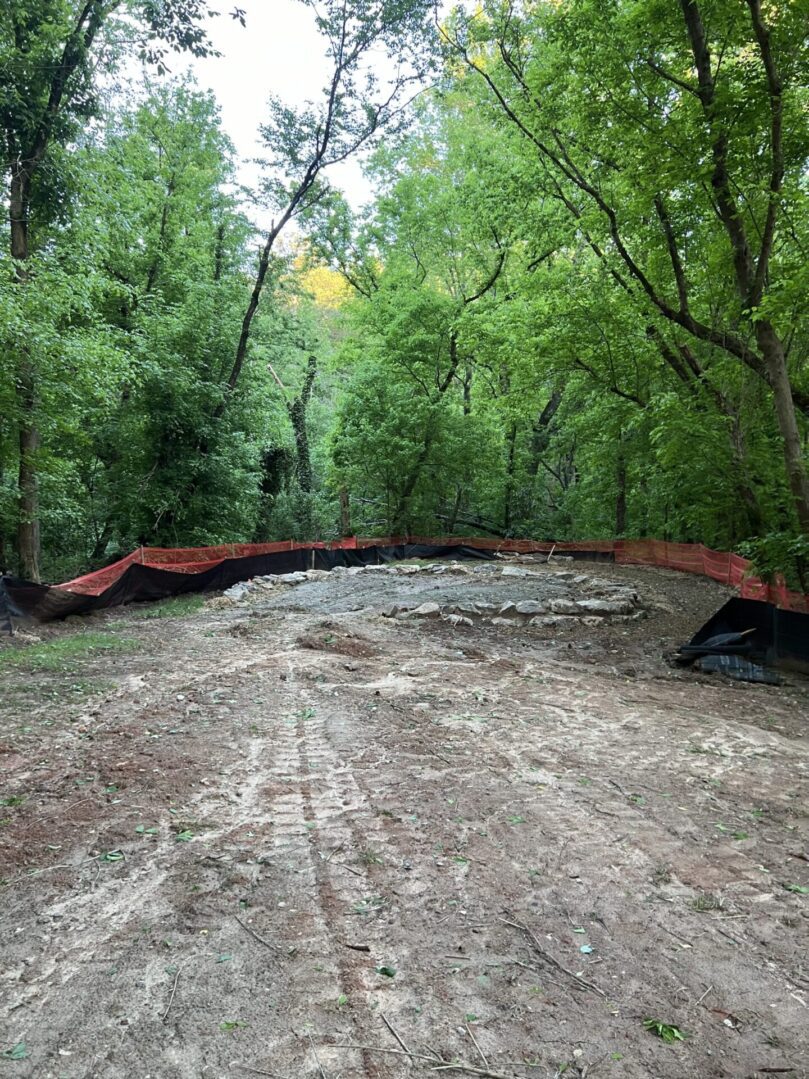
{"type": "Point", "coordinates": [400, 523]}
{"type": "Point", "coordinates": [345, 512]}
{"type": "Point", "coordinates": [297, 416]}
{"type": "Point", "coordinates": [508, 490]}
{"type": "Point", "coordinates": [28, 540]}
{"type": "Point", "coordinates": [773, 352]}
{"type": "Point", "coordinates": [620, 501]}
{"type": "Point", "coordinates": [452, 520]}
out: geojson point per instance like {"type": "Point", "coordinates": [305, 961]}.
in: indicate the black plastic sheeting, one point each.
{"type": "Point", "coordinates": [43, 603]}
{"type": "Point", "coordinates": [779, 637]}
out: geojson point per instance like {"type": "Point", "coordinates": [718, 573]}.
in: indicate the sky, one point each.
{"type": "Point", "coordinates": [279, 52]}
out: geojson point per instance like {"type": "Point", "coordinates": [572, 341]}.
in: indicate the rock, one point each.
{"type": "Point", "coordinates": [565, 575]}
{"type": "Point", "coordinates": [426, 610]}
{"type": "Point", "coordinates": [507, 609]}
{"type": "Point", "coordinates": [582, 578]}
{"type": "Point", "coordinates": [352, 571]}
{"type": "Point", "coordinates": [606, 606]}
{"type": "Point", "coordinates": [544, 623]}
{"type": "Point", "coordinates": [565, 606]}
{"type": "Point", "coordinates": [514, 571]}
{"type": "Point", "coordinates": [316, 574]}
{"type": "Point", "coordinates": [458, 620]}
{"type": "Point", "coordinates": [391, 611]}
{"type": "Point", "coordinates": [466, 609]}
{"type": "Point", "coordinates": [237, 591]}
{"type": "Point", "coordinates": [592, 620]}
{"type": "Point", "coordinates": [530, 606]}
{"type": "Point", "coordinates": [503, 622]}
{"type": "Point", "coordinates": [407, 569]}
{"type": "Point", "coordinates": [298, 577]}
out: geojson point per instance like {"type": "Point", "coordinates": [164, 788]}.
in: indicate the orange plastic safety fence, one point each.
{"type": "Point", "coordinates": [722, 566]}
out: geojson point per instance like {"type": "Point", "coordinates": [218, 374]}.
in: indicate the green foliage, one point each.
{"type": "Point", "coordinates": [668, 1033]}
{"type": "Point", "coordinates": [780, 553]}
{"type": "Point", "coordinates": [550, 330]}
{"type": "Point", "coordinates": [63, 653]}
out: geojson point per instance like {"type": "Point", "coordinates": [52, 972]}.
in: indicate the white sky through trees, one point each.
{"type": "Point", "coordinates": [279, 52]}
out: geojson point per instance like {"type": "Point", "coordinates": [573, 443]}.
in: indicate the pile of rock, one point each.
{"type": "Point", "coordinates": [557, 597]}
{"type": "Point", "coordinates": [270, 581]}
{"type": "Point", "coordinates": [620, 606]}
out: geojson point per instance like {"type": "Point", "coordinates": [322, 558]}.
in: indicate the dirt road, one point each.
{"type": "Point", "coordinates": [288, 838]}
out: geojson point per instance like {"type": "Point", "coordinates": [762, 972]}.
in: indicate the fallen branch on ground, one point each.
{"type": "Point", "coordinates": [550, 959]}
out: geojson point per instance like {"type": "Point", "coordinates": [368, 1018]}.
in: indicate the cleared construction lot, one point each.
{"type": "Point", "coordinates": [310, 832]}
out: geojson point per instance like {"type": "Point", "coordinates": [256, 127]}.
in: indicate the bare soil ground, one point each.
{"type": "Point", "coordinates": [293, 838]}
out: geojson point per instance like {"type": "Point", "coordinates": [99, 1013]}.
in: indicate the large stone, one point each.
{"type": "Point", "coordinates": [292, 578]}
{"type": "Point", "coordinates": [503, 622]}
{"type": "Point", "coordinates": [238, 591]}
{"type": "Point", "coordinates": [514, 571]}
{"type": "Point", "coordinates": [507, 609]}
{"type": "Point", "coordinates": [530, 606]}
{"type": "Point", "coordinates": [426, 610]}
{"type": "Point", "coordinates": [606, 607]}
{"type": "Point", "coordinates": [544, 622]}
{"type": "Point", "coordinates": [564, 606]}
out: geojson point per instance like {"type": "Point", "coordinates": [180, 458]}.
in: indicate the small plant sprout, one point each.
{"type": "Point", "coordinates": [667, 1032]}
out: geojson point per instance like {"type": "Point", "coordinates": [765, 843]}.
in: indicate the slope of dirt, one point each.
{"type": "Point", "coordinates": [291, 838]}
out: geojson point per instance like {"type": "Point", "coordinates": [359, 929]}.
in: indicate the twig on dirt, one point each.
{"type": "Point", "coordinates": [171, 998]}
{"type": "Point", "coordinates": [435, 753]}
{"type": "Point", "coordinates": [390, 1027]}
{"type": "Point", "coordinates": [729, 936]}
{"type": "Point", "coordinates": [458, 1065]}
{"type": "Point", "coordinates": [254, 934]}
{"type": "Point", "coordinates": [470, 1068]}
{"type": "Point", "coordinates": [475, 1043]}
{"type": "Point", "coordinates": [550, 959]}
{"type": "Point", "coordinates": [588, 1068]}
{"type": "Point", "coordinates": [562, 850]}
{"type": "Point", "coordinates": [317, 1058]}
{"type": "Point", "coordinates": [356, 947]}
{"type": "Point", "coordinates": [527, 966]}
{"type": "Point", "coordinates": [676, 936]}
{"type": "Point", "coordinates": [384, 1049]}
{"type": "Point", "coordinates": [334, 851]}
{"type": "Point", "coordinates": [46, 869]}
{"type": "Point", "coordinates": [348, 868]}
{"type": "Point", "coordinates": [259, 1071]}
{"type": "Point", "coordinates": [62, 812]}
{"type": "Point", "coordinates": [450, 956]}
{"type": "Point", "coordinates": [704, 995]}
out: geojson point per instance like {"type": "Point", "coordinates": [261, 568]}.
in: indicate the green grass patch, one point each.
{"type": "Point", "coordinates": [179, 607]}
{"type": "Point", "coordinates": [63, 653]}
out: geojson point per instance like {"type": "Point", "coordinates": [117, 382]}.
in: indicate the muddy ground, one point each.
{"type": "Point", "coordinates": [291, 838]}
